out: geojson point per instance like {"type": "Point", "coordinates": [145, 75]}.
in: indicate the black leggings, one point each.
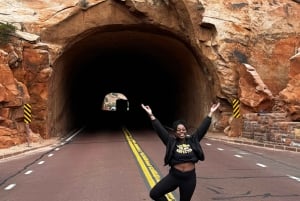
{"type": "Point", "coordinates": [186, 181]}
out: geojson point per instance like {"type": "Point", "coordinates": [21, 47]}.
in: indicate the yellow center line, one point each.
{"type": "Point", "coordinates": [147, 168]}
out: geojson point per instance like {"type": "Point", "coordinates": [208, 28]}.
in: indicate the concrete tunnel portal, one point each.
{"type": "Point", "coordinates": [151, 68]}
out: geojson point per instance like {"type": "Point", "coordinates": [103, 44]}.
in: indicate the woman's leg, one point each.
{"type": "Point", "coordinates": [167, 184]}
{"type": "Point", "coordinates": [187, 186]}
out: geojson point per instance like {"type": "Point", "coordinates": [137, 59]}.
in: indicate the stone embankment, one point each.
{"type": "Point", "coordinates": [273, 128]}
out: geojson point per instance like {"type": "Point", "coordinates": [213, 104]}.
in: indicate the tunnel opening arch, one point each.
{"type": "Point", "coordinates": [162, 72]}
{"type": "Point", "coordinates": [149, 64]}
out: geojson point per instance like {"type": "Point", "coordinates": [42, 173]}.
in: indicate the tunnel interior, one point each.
{"type": "Point", "coordinates": [151, 68]}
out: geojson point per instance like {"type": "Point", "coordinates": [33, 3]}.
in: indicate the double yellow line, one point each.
{"type": "Point", "coordinates": [147, 168]}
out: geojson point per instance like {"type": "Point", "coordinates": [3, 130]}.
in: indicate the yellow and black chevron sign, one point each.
{"type": "Point", "coordinates": [236, 108]}
{"type": "Point", "coordinates": [27, 113]}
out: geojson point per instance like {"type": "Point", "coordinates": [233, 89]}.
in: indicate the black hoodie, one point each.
{"type": "Point", "coordinates": [193, 140]}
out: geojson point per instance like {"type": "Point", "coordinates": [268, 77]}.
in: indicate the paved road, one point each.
{"type": "Point", "coordinates": [235, 172]}
{"type": "Point", "coordinates": [112, 166]}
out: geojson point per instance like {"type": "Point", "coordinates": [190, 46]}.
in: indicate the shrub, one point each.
{"type": "Point", "coordinates": [83, 3]}
{"type": "Point", "coordinates": [6, 31]}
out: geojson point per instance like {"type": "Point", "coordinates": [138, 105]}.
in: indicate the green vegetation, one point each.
{"type": "Point", "coordinates": [83, 3]}
{"type": "Point", "coordinates": [5, 32]}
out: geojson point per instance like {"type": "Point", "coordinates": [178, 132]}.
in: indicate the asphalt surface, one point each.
{"type": "Point", "coordinates": [91, 166]}
{"type": "Point", "coordinates": [48, 143]}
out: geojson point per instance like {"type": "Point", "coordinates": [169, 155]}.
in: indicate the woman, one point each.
{"type": "Point", "coordinates": [182, 152]}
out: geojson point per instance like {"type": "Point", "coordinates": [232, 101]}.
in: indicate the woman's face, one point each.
{"type": "Point", "coordinates": [180, 131]}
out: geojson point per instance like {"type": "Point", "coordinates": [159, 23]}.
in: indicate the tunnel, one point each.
{"type": "Point", "coordinates": [147, 64]}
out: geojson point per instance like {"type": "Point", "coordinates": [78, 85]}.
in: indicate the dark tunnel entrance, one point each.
{"type": "Point", "coordinates": [150, 68]}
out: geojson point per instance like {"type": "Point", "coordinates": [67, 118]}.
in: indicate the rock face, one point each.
{"type": "Point", "coordinates": [248, 50]}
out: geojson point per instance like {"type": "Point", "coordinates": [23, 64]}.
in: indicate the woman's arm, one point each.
{"type": "Point", "coordinates": [149, 111]}
{"type": "Point", "coordinates": [157, 126]}
{"type": "Point", "coordinates": [213, 108]}
{"type": "Point", "coordinates": [202, 130]}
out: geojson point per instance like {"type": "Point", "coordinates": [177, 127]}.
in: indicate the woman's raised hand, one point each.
{"type": "Point", "coordinates": [214, 107]}
{"type": "Point", "coordinates": [147, 109]}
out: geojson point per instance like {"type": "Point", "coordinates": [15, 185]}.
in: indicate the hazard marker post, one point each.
{"type": "Point", "coordinates": [236, 108]}
{"type": "Point", "coordinates": [27, 121]}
